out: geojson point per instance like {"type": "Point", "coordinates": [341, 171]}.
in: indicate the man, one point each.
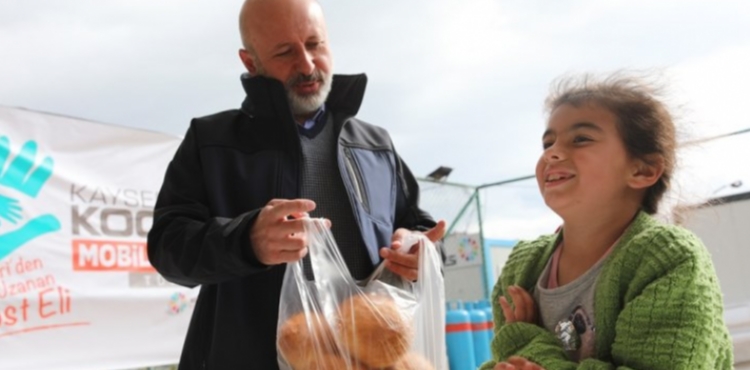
{"type": "Point", "coordinates": [228, 216]}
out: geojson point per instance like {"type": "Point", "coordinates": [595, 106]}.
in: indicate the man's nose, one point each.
{"type": "Point", "coordinates": [306, 63]}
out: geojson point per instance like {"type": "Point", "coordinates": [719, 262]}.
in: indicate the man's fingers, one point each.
{"type": "Point", "coordinates": [404, 272]}
{"type": "Point", "coordinates": [288, 227]}
{"type": "Point", "coordinates": [294, 242]}
{"type": "Point", "coordinates": [437, 232]}
{"type": "Point", "coordinates": [299, 215]}
{"type": "Point", "coordinates": [403, 259]}
{"type": "Point", "coordinates": [289, 207]}
{"type": "Point", "coordinates": [278, 232]}
{"type": "Point", "coordinates": [291, 256]}
{"type": "Point", "coordinates": [399, 244]}
{"type": "Point", "coordinates": [275, 202]}
{"type": "Point", "coordinates": [399, 235]}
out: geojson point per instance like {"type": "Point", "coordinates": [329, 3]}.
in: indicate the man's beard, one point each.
{"type": "Point", "coordinates": [308, 103]}
{"type": "Point", "coordinates": [301, 105]}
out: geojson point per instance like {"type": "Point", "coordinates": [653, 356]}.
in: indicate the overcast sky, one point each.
{"type": "Point", "coordinates": [457, 83]}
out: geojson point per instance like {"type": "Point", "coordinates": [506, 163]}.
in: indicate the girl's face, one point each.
{"type": "Point", "coordinates": [584, 165]}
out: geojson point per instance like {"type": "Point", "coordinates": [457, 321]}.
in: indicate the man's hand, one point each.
{"type": "Point", "coordinates": [406, 264]}
{"type": "Point", "coordinates": [517, 363]}
{"type": "Point", "coordinates": [525, 308]}
{"type": "Point", "coordinates": [278, 234]}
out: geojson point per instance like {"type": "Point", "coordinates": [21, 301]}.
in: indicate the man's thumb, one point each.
{"type": "Point", "coordinates": [437, 232]}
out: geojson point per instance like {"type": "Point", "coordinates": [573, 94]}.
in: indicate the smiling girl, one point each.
{"type": "Point", "coordinates": [614, 288]}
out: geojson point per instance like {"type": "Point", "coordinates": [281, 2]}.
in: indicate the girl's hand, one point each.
{"type": "Point", "coordinates": [517, 363]}
{"type": "Point", "coordinates": [525, 308]}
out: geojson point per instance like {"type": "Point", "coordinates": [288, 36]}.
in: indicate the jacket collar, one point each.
{"type": "Point", "coordinates": [266, 96]}
{"type": "Point", "coordinates": [642, 221]}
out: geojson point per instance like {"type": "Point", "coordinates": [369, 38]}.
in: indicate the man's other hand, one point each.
{"type": "Point", "coordinates": [406, 263]}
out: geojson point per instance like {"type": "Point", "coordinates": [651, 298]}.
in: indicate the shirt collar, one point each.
{"type": "Point", "coordinates": [315, 119]}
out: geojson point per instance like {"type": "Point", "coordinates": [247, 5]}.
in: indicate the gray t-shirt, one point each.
{"type": "Point", "coordinates": [568, 310]}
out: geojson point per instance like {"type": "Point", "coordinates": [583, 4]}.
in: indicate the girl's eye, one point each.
{"type": "Point", "coordinates": [546, 144]}
{"type": "Point", "coordinates": [580, 139]}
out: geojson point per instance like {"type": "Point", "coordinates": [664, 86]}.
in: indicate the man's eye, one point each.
{"type": "Point", "coordinates": [546, 144]}
{"type": "Point", "coordinates": [283, 53]}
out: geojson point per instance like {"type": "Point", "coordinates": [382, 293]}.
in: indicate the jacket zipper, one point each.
{"type": "Point", "coordinates": [354, 174]}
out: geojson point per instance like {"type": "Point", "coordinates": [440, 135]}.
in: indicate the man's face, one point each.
{"type": "Point", "coordinates": [290, 44]}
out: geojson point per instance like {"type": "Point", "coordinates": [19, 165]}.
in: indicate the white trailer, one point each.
{"type": "Point", "coordinates": [724, 226]}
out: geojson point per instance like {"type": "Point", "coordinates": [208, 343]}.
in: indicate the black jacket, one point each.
{"type": "Point", "coordinates": [231, 164]}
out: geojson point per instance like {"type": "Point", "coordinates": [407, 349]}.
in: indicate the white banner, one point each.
{"type": "Point", "coordinates": [76, 289]}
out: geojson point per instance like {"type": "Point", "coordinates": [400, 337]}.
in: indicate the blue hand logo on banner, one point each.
{"type": "Point", "coordinates": [18, 175]}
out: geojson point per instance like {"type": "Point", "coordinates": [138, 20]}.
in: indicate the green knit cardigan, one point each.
{"type": "Point", "coordinates": [657, 305]}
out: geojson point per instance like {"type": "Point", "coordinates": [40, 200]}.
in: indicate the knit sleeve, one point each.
{"type": "Point", "coordinates": [676, 322]}
{"type": "Point", "coordinates": [672, 320]}
{"type": "Point", "coordinates": [522, 268]}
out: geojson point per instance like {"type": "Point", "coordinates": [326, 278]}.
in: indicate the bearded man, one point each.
{"type": "Point", "coordinates": [229, 215]}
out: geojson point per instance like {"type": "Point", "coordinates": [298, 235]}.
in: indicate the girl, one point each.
{"type": "Point", "coordinates": [614, 288]}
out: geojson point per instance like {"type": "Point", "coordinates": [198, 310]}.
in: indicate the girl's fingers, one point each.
{"type": "Point", "coordinates": [517, 361]}
{"type": "Point", "coordinates": [533, 366]}
{"type": "Point", "coordinates": [519, 302]}
{"type": "Point", "coordinates": [523, 308]}
{"type": "Point", "coordinates": [510, 317]}
{"type": "Point", "coordinates": [523, 364]}
{"type": "Point", "coordinates": [504, 366]}
{"type": "Point", "coordinates": [530, 306]}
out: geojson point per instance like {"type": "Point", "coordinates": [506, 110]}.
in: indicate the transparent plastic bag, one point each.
{"type": "Point", "coordinates": [336, 322]}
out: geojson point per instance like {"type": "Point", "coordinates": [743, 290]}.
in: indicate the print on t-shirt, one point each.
{"type": "Point", "coordinates": [577, 334]}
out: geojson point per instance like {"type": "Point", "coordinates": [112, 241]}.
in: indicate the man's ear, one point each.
{"type": "Point", "coordinates": [646, 172]}
{"type": "Point", "coordinates": [249, 62]}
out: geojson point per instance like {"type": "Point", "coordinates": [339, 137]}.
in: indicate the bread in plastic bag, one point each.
{"type": "Point", "coordinates": [336, 322]}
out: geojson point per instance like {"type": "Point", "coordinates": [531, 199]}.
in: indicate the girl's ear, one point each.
{"type": "Point", "coordinates": [646, 172]}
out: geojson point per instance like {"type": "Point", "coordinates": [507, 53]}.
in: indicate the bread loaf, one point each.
{"type": "Point", "coordinates": [332, 362]}
{"type": "Point", "coordinates": [413, 361]}
{"type": "Point", "coordinates": [373, 330]}
{"type": "Point", "coordinates": [304, 338]}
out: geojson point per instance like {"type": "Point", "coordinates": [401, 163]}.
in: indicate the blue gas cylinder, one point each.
{"type": "Point", "coordinates": [480, 333]}
{"type": "Point", "coordinates": [487, 307]}
{"type": "Point", "coordinates": [458, 337]}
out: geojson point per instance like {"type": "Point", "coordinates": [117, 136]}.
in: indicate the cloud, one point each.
{"type": "Point", "coordinates": [471, 88]}
{"type": "Point", "coordinates": [142, 64]}
{"type": "Point", "coordinates": [457, 84]}
{"type": "Point", "coordinates": [712, 87]}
